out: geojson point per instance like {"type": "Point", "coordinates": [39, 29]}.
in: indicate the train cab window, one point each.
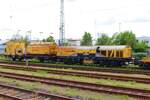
{"type": "Point", "coordinates": [5, 50]}
{"type": "Point", "coordinates": [98, 50]}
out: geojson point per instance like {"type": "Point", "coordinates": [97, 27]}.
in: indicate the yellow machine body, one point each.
{"type": "Point", "coordinates": [40, 48]}
{"type": "Point", "coordinates": [15, 48]}
{"type": "Point", "coordinates": [115, 51]}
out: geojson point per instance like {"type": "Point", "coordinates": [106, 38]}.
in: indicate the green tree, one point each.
{"type": "Point", "coordinates": [16, 37]}
{"type": "Point", "coordinates": [125, 38]}
{"type": "Point", "coordinates": [104, 39]}
{"type": "Point", "coordinates": [19, 38]}
{"type": "Point", "coordinates": [44, 40]}
{"type": "Point", "coordinates": [66, 44]}
{"type": "Point", "coordinates": [86, 39]}
{"type": "Point", "coordinates": [49, 39]}
{"type": "Point", "coordinates": [141, 46]}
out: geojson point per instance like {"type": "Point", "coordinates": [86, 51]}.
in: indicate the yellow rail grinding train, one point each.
{"type": "Point", "coordinates": [105, 55]}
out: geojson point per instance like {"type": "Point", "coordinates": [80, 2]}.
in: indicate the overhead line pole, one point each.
{"type": "Point", "coordinates": [62, 23]}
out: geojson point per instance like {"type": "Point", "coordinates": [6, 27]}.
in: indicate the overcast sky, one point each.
{"type": "Point", "coordinates": [93, 16]}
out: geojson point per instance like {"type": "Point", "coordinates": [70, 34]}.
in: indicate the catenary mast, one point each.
{"type": "Point", "coordinates": [62, 23]}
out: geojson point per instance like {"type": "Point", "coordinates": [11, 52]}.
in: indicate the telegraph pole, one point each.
{"type": "Point", "coordinates": [62, 23]}
{"type": "Point", "coordinates": [120, 27]}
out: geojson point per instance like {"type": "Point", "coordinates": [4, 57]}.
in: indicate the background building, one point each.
{"type": "Point", "coordinates": [144, 38]}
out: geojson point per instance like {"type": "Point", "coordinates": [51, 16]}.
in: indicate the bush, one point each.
{"type": "Point", "coordinates": [139, 55]}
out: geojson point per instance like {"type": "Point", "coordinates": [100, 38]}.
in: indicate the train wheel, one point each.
{"type": "Point", "coordinates": [146, 65]}
{"type": "Point", "coordinates": [66, 61]}
{"type": "Point", "coordinates": [88, 61]}
{"type": "Point", "coordinates": [20, 59]}
{"type": "Point", "coordinates": [41, 60]}
{"type": "Point", "coordinates": [13, 59]}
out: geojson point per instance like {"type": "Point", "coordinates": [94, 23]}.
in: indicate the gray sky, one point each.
{"type": "Point", "coordinates": [80, 15]}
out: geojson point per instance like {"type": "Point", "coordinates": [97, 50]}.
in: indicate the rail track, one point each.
{"type": "Point", "coordinates": [138, 93]}
{"type": "Point", "coordinates": [114, 70]}
{"type": "Point", "coordinates": [80, 73]}
{"type": "Point", "coordinates": [10, 92]}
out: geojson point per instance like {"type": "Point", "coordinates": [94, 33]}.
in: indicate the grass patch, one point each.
{"type": "Point", "coordinates": [77, 93]}
{"type": "Point", "coordinates": [2, 57]}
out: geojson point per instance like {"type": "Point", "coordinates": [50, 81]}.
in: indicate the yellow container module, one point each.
{"type": "Point", "coordinates": [42, 48]}
{"type": "Point", "coordinates": [75, 50]}
{"type": "Point", "coordinates": [66, 51]}
{"type": "Point", "coordinates": [85, 50]}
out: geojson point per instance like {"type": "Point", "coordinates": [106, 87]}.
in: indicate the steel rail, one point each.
{"type": "Point", "coordinates": [5, 92]}
{"type": "Point", "coordinates": [87, 68]}
{"type": "Point", "coordinates": [139, 93]}
{"type": "Point", "coordinates": [80, 73]}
